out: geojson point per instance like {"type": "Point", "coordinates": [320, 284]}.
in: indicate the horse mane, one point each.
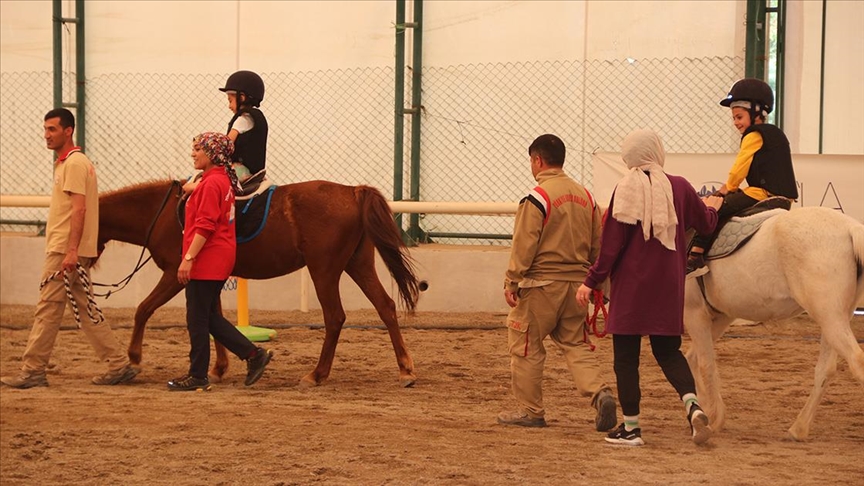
{"type": "Point", "coordinates": [136, 187]}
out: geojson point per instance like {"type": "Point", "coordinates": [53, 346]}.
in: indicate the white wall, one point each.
{"type": "Point", "coordinates": [670, 28]}
{"type": "Point", "coordinates": [843, 125]}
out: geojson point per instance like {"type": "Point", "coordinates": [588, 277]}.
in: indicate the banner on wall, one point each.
{"type": "Point", "coordinates": [831, 181]}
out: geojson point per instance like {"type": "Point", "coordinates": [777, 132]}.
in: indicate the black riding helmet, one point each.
{"type": "Point", "coordinates": [756, 91]}
{"type": "Point", "coordinates": [248, 83]}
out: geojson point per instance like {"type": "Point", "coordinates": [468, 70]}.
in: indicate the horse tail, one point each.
{"type": "Point", "coordinates": [379, 226]}
{"type": "Point", "coordinates": [857, 233]}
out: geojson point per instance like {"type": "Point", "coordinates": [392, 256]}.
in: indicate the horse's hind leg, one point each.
{"type": "Point", "coordinates": [837, 340]}
{"type": "Point", "coordinates": [361, 268]}
{"type": "Point", "coordinates": [164, 291]}
{"type": "Point", "coordinates": [326, 283]}
{"type": "Point", "coordinates": [826, 367]}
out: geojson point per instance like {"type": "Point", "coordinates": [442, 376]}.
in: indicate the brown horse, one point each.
{"type": "Point", "coordinates": [329, 228]}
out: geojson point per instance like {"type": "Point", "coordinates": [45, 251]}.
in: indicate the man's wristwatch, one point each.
{"type": "Point", "coordinates": [188, 257]}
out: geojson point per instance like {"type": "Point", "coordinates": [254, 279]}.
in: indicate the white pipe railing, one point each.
{"type": "Point", "coordinates": [424, 207]}
{"type": "Point", "coordinates": [21, 201]}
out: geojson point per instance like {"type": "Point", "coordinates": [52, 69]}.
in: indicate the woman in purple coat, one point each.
{"type": "Point", "coordinates": [644, 253]}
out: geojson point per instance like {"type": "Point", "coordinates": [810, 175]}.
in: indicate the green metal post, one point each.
{"type": "Point", "coordinates": [80, 75]}
{"type": "Point", "coordinates": [780, 75]}
{"type": "Point", "coordinates": [416, 108]}
{"type": "Point", "coordinates": [80, 125]}
{"type": "Point", "coordinates": [399, 116]}
{"type": "Point", "coordinates": [755, 45]}
{"type": "Point", "coordinates": [822, 76]}
{"type": "Point", "coordinates": [57, 20]}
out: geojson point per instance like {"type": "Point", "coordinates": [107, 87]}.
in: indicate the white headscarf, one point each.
{"type": "Point", "coordinates": [639, 197]}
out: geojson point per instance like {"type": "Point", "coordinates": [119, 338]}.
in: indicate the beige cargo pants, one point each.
{"type": "Point", "coordinates": [49, 316]}
{"type": "Point", "coordinates": [550, 310]}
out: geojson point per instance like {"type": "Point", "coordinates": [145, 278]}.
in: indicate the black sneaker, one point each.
{"type": "Point", "coordinates": [256, 364]}
{"type": "Point", "coordinates": [696, 265]}
{"type": "Point", "coordinates": [189, 383]}
{"type": "Point", "coordinates": [699, 427]}
{"type": "Point", "coordinates": [625, 437]}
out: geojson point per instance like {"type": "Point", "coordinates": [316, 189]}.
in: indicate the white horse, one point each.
{"type": "Point", "coordinates": [808, 259]}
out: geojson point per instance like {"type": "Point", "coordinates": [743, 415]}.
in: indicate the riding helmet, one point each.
{"type": "Point", "coordinates": [753, 90]}
{"type": "Point", "coordinates": [248, 83]}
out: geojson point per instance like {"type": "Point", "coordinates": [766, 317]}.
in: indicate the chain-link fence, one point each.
{"type": "Point", "coordinates": [478, 121]}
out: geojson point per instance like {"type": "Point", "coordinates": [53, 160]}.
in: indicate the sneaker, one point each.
{"type": "Point", "coordinates": [123, 375]}
{"type": "Point", "coordinates": [520, 418]}
{"type": "Point", "coordinates": [699, 428]}
{"type": "Point", "coordinates": [256, 364]}
{"type": "Point", "coordinates": [189, 383]}
{"type": "Point", "coordinates": [606, 411]}
{"type": "Point", "coordinates": [25, 380]}
{"type": "Point", "coordinates": [696, 265]}
{"type": "Point", "coordinates": [625, 437]}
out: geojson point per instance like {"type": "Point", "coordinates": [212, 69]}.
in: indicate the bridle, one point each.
{"type": "Point", "coordinates": [138, 266]}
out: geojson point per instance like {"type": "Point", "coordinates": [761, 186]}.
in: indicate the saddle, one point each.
{"type": "Point", "coordinates": [744, 225]}
{"type": "Point", "coordinates": [252, 186]}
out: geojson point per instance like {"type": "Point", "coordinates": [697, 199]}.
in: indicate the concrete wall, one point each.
{"type": "Point", "coordinates": [459, 278]}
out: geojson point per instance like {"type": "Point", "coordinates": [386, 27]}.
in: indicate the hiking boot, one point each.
{"type": "Point", "coordinates": [256, 364]}
{"type": "Point", "coordinates": [520, 418]}
{"type": "Point", "coordinates": [606, 411]}
{"type": "Point", "coordinates": [189, 383]}
{"type": "Point", "coordinates": [699, 428]}
{"type": "Point", "coordinates": [123, 375]}
{"type": "Point", "coordinates": [25, 380]}
{"type": "Point", "coordinates": [696, 265]}
{"type": "Point", "coordinates": [623, 436]}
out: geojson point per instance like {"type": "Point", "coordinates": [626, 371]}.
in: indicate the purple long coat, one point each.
{"type": "Point", "coordinates": [647, 279]}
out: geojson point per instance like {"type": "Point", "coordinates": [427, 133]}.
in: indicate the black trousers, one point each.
{"type": "Point", "coordinates": [667, 352]}
{"type": "Point", "coordinates": [733, 203]}
{"type": "Point", "coordinates": [203, 318]}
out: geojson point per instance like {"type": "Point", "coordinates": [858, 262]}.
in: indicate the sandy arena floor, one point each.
{"type": "Point", "coordinates": [362, 428]}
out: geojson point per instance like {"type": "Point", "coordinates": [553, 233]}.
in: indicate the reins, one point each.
{"type": "Point", "coordinates": [93, 309]}
{"type": "Point", "coordinates": [138, 266]}
{"type": "Point", "coordinates": [591, 321]}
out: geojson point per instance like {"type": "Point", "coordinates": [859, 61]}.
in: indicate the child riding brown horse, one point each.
{"type": "Point", "coordinates": [329, 228]}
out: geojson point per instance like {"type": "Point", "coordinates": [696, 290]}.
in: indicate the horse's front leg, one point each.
{"type": "Point", "coordinates": [164, 291]}
{"type": "Point", "coordinates": [702, 359]}
{"type": "Point", "coordinates": [220, 367]}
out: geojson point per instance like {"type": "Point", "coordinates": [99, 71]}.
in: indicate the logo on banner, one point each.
{"type": "Point", "coordinates": [709, 188]}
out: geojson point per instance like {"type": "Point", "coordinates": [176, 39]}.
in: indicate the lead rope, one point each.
{"type": "Point", "coordinates": [93, 309]}
{"type": "Point", "coordinates": [591, 321]}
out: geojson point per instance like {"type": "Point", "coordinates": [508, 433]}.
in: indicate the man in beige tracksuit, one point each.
{"type": "Point", "coordinates": [555, 240]}
{"type": "Point", "coordinates": [70, 239]}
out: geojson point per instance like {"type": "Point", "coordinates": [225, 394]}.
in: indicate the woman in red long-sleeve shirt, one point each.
{"type": "Point", "coordinates": [209, 251]}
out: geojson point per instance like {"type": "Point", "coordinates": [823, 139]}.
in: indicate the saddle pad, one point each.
{"type": "Point", "coordinates": [737, 231]}
{"type": "Point", "coordinates": [250, 215]}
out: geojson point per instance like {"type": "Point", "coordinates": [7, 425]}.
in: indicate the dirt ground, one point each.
{"type": "Point", "coordinates": [360, 427]}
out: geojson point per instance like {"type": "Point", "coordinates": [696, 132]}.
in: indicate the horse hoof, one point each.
{"type": "Point", "coordinates": [407, 381]}
{"type": "Point", "coordinates": [307, 382]}
{"type": "Point", "coordinates": [214, 378]}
